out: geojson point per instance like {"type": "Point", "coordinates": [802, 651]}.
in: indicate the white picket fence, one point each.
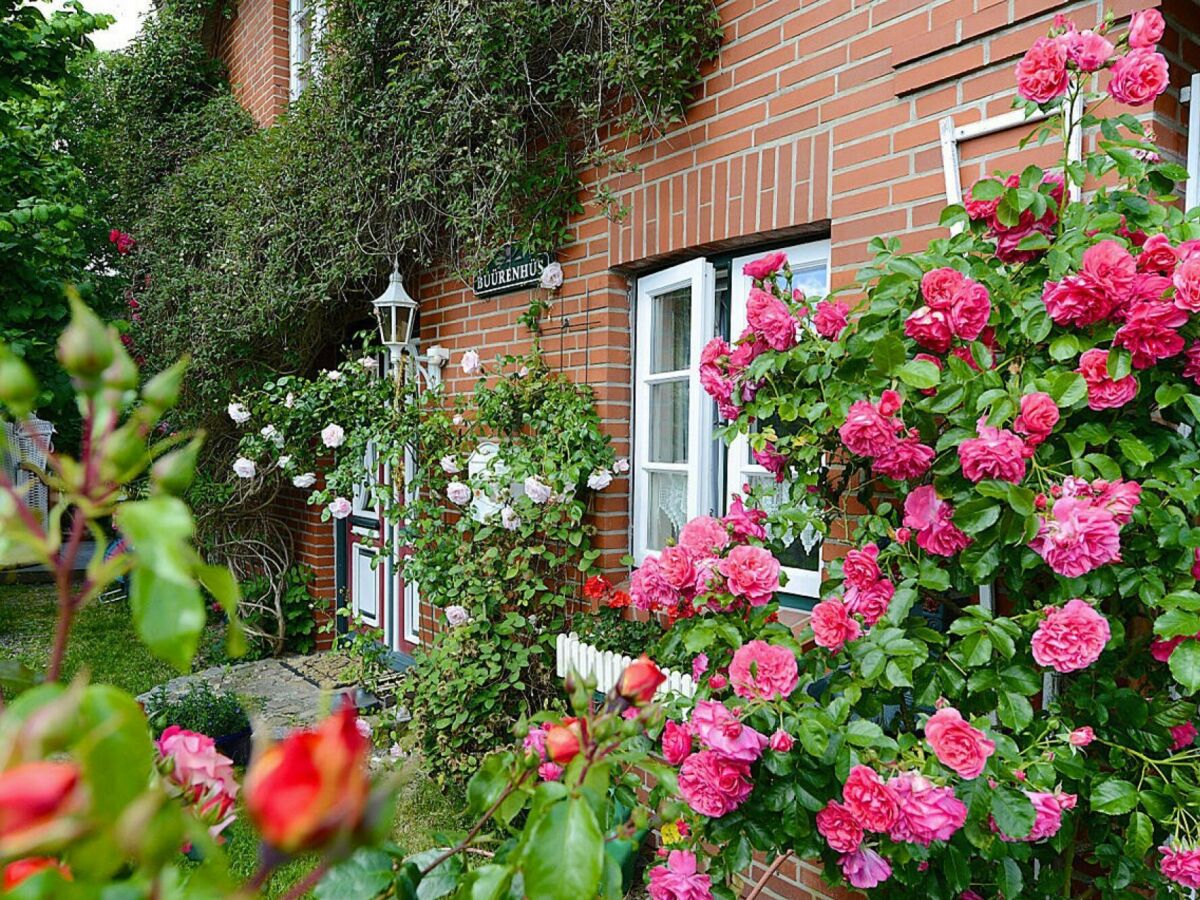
{"type": "Point", "coordinates": [606, 667]}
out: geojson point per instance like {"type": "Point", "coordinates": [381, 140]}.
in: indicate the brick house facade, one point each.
{"type": "Point", "coordinates": [822, 124]}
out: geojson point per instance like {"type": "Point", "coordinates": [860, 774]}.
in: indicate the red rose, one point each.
{"type": "Point", "coordinates": [562, 741]}
{"type": "Point", "coordinates": [640, 680]}
{"type": "Point", "coordinates": [16, 872]}
{"type": "Point", "coordinates": [36, 801]}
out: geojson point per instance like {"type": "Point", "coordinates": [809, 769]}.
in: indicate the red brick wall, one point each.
{"type": "Point", "coordinates": [314, 546]}
{"type": "Point", "coordinates": [253, 44]}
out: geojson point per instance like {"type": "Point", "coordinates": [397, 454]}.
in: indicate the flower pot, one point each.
{"type": "Point", "coordinates": [236, 746]}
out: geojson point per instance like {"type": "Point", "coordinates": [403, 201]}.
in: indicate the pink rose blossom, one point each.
{"type": "Point", "coordinates": [1088, 50]}
{"type": "Point", "coordinates": [675, 564]}
{"type": "Point", "coordinates": [712, 784]}
{"type": "Point", "coordinates": [1187, 284]}
{"type": "Point", "coordinates": [713, 360]}
{"type": "Point", "coordinates": [932, 519]}
{"type": "Point", "coordinates": [717, 681]}
{"type": "Point", "coordinates": [340, 508]}
{"type": "Point", "coordinates": [745, 523]}
{"type": "Point", "coordinates": [549, 771]}
{"type": "Point", "coordinates": [1077, 538]}
{"type": "Point", "coordinates": [1048, 811]}
{"type": "Point", "coordinates": [1042, 71]}
{"type": "Point", "coordinates": [679, 880]}
{"type": "Point", "coordinates": [839, 827]}
{"type": "Point", "coordinates": [721, 731]}
{"type": "Point", "coordinates": [1071, 637]}
{"type": "Point", "coordinates": [699, 666]}
{"type": "Point", "coordinates": [866, 431]}
{"type": "Point", "coordinates": [781, 741]}
{"type": "Point", "coordinates": [1181, 865]}
{"type": "Point", "coordinates": [704, 536]}
{"type": "Point", "coordinates": [766, 266]}
{"type": "Point", "coordinates": [957, 743]}
{"type": "Point", "coordinates": [204, 775]}
{"type": "Point", "coordinates": [752, 573]}
{"type": "Point", "coordinates": [1081, 737]}
{"type": "Point", "coordinates": [770, 317]}
{"type": "Point", "coordinates": [869, 800]}
{"type": "Point", "coordinates": [1104, 392]}
{"type": "Point", "coordinates": [930, 328]}
{"type": "Point", "coordinates": [1182, 736]}
{"type": "Point", "coordinates": [676, 743]}
{"type": "Point", "coordinates": [649, 587]}
{"type": "Point", "coordinates": [772, 460]}
{"type": "Point", "coordinates": [906, 458]}
{"type": "Point", "coordinates": [1158, 255]}
{"type": "Point", "coordinates": [1148, 333]}
{"type": "Point", "coordinates": [762, 671]}
{"type": "Point", "coordinates": [868, 592]}
{"type": "Point", "coordinates": [1138, 77]}
{"type": "Point", "coordinates": [940, 287]}
{"type": "Point", "coordinates": [860, 568]}
{"type": "Point", "coordinates": [927, 813]}
{"type": "Point", "coordinates": [996, 453]}
{"type": "Point", "coordinates": [831, 318]}
{"type": "Point", "coordinates": [1075, 301]}
{"type": "Point", "coordinates": [832, 625]}
{"type": "Point", "coordinates": [1191, 367]}
{"type": "Point", "coordinates": [1039, 415]}
{"type": "Point", "coordinates": [865, 868]}
{"type": "Point", "coordinates": [970, 310]}
{"type": "Point", "coordinates": [1109, 269]}
{"type": "Point", "coordinates": [1145, 28]}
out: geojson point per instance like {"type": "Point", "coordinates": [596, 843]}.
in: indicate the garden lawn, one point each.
{"type": "Point", "coordinates": [102, 641]}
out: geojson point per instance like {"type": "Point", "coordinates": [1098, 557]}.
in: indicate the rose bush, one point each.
{"type": "Point", "coordinates": [1013, 407]}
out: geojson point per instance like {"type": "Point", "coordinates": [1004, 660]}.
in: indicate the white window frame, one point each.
{"type": "Point", "coordinates": [365, 572]}
{"type": "Point", "coordinates": [306, 26]}
{"type": "Point", "coordinates": [738, 462]}
{"type": "Point", "coordinates": [698, 274]}
{"type": "Point", "coordinates": [412, 590]}
{"type": "Point", "coordinates": [1191, 96]}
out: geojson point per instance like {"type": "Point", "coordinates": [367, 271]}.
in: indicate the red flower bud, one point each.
{"type": "Point", "coordinates": [36, 799]}
{"type": "Point", "coordinates": [640, 680]}
{"type": "Point", "coordinates": [16, 872]}
{"type": "Point", "coordinates": [310, 786]}
{"type": "Point", "coordinates": [562, 741]}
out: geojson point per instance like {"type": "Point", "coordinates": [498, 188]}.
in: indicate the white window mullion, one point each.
{"type": "Point", "coordinates": [1193, 144]}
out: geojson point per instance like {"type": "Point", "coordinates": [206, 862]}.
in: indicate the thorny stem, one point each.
{"type": "Point", "coordinates": [476, 828]}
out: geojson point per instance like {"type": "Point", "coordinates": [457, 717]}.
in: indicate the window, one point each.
{"type": "Point", "coordinates": [307, 25]}
{"type": "Point", "coordinates": [681, 469]}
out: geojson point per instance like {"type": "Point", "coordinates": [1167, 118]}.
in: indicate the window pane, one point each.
{"type": "Point", "coordinates": [671, 331]}
{"type": "Point", "coordinates": [668, 420]}
{"type": "Point", "coordinates": [667, 510]}
{"type": "Point", "coordinates": [811, 280]}
{"type": "Point", "coordinates": [802, 547]}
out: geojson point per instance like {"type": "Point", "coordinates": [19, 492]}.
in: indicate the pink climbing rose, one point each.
{"type": "Point", "coordinates": [957, 743]}
{"type": "Point", "coordinates": [997, 453]}
{"type": "Point", "coordinates": [927, 813]}
{"type": "Point", "coordinates": [839, 827]}
{"type": "Point", "coordinates": [1070, 637]}
{"type": "Point", "coordinates": [714, 785]}
{"type": "Point", "coordinates": [1077, 537]}
{"type": "Point", "coordinates": [762, 671]}
{"type": "Point", "coordinates": [872, 802]}
{"type": "Point", "coordinates": [679, 880]}
{"type": "Point", "coordinates": [932, 520]}
{"type": "Point", "coordinates": [721, 731]}
{"type": "Point", "coordinates": [752, 573]}
{"type": "Point", "coordinates": [833, 626]}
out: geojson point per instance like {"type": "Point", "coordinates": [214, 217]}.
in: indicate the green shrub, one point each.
{"type": "Point", "coordinates": [200, 708]}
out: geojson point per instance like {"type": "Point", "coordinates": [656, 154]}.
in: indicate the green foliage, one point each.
{"type": "Point", "coordinates": [201, 708]}
{"type": "Point", "coordinates": [286, 623]}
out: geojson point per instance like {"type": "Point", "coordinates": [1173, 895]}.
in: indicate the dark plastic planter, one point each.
{"type": "Point", "coordinates": [236, 746]}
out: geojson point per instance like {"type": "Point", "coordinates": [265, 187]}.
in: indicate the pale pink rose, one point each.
{"type": "Point", "coordinates": [865, 868]}
{"type": "Point", "coordinates": [781, 741]}
{"type": "Point", "coordinates": [1088, 50]}
{"type": "Point", "coordinates": [676, 566]}
{"type": "Point", "coordinates": [537, 490]}
{"type": "Point", "coordinates": [867, 432]}
{"type": "Point", "coordinates": [720, 730]}
{"type": "Point", "coordinates": [649, 589]}
{"type": "Point", "coordinates": [927, 813]}
{"type": "Point", "coordinates": [771, 319]}
{"type": "Point", "coordinates": [745, 523]}
{"type": "Point", "coordinates": [1039, 415]}
{"type": "Point", "coordinates": [1138, 77]}
{"type": "Point", "coordinates": [712, 784]}
{"type": "Point", "coordinates": [1075, 301]}
{"type": "Point", "coordinates": [765, 266]}
{"type": "Point", "coordinates": [870, 800]}
{"type": "Point", "coordinates": [204, 775]}
{"type": "Point", "coordinates": [1070, 637]}
{"type": "Point", "coordinates": [679, 880]}
{"type": "Point", "coordinates": [906, 458]}
{"type": "Point", "coordinates": [244, 468]}
{"type": "Point", "coordinates": [1077, 538]}
{"type": "Point", "coordinates": [676, 743]}
{"type": "Point", "coordinates": [933, 520]}
{"type": "Point", "coordinates": [459, 493]}
{"type": "Point", "coordinates": [1181, 865]}
{"type": "Point", "coordinates": [1148, 333]}
{"type": "Point", "coordinates": [930, 328]}
{"type": "Point", "coordinates": [471, 364]}
{"type": "Point", "coordinates": [1081, 737]}
{"type": "Point", "coordinates": [1158, 255]}
{"type": "Point", "coordinates": [706, 571]}
{"type": "Point", "coordinates": [762, 671]}
{"type": "Point", "coordinates": [1187, 284]}
{"type": "Point", "coordinates": [957, 743]}
{"type": "Point", "coordinates": [751, 573]}
{"type": "Point", "coordinates": [839, 827]}
{"type": "Point", "coordinates": [704, 536]}
{"type": "Point", "coordinates": [340, 508]}
{"type": "Point", "coordinates": [1146, 28]}
{"type": "Point", "coordinates": [1048, 811]}
{"type": "Point", "coordinates": [1103, 392]}
{"type": "Point", "coordinates": [1042, 71]}
{"type": "Point", "coordinates": [332, 435]}
{"type": "Point", "coordinates": [830, 319]}
{"type": "Point", "coordinates": [996, 453]}
{"type": "Point", "coordinates": [832, 625]}
{"type": "Point", "coordinates": [1182, 736]}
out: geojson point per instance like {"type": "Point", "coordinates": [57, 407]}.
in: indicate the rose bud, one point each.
{"type": "Point", "coordinates": [36, 801]}
{"type": "Point", "coordinates": [640, 680]}
{"type": "Point", "coordinates": [16, 872]}
{"type": "Point", "coordinates": [1081, 737]}
{"type": "Point", "coordinates": [310, 786]}
{"type": "Point", "coordinates": [562, 741]}
{"type": "Point", "coordinates": [781, 741]}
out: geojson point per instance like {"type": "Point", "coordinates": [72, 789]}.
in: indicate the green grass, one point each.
{"type": "Point", "coordinates": [102, 640]}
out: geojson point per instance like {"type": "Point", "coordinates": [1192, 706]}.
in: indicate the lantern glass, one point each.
{"type": "Point", "coordinates": [396, 312]}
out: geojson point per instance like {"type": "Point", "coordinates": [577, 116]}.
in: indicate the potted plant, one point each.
{"type": "Point", "coordinates": [205, 709]}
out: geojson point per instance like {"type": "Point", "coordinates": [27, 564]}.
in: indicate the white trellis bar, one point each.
{"type": "Point", "coordinates": [606, 667]}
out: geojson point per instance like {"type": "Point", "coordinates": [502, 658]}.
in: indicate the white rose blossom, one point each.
{"type": "Point", "coordinates": [305, 481]}
{"type": "Point", "coordinates": [458, 419]}
{"type": "Point", "coordinates": [284, 461]}
{"type": "Point", "coordinates": [272, 434]}
{"type": "Point", "coordinates": [244, 468]}
{"type": "Point", "coordinates": [333, 436]}
{"type": "Point", "coordinates": [457, 615]}
{"type": "Point", "coordinates": [509, 519]}
{"type": "Point", "coordinates": [537, 490]}
{"type": "Point", "coordinates": [333, 375]}
{"type": "Point", "coordinates": [471, 364]}
{"type": "Point", "coordinates": [450, 465]}
{"type": "Point", "coordinates": [621, 466]}
{"type": "Point", "coordinates": [369, 363]}
{"type": "Point", "coordinates": [459, 493]}
{"type": "Point", "coordinates": [290, 400]}
{"type": "Point", "coordinates": [238, 412]}
{"type": "Point", "coordinates": [340, 508]}
{"type": "Point", "coordinates": [552, 277]}
{"type": "Point", "coordinates": [600, 479]}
